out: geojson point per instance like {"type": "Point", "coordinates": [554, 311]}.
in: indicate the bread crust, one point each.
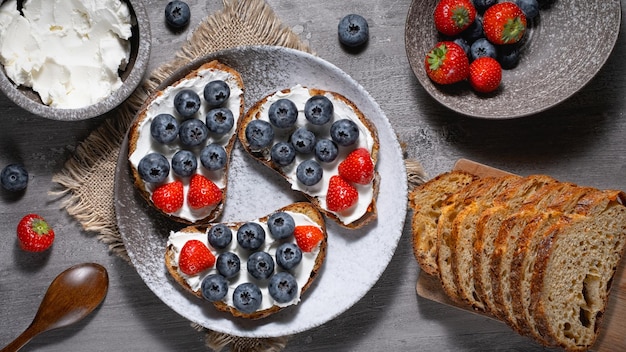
{"type": "Point", "coordinates": [302, 208]}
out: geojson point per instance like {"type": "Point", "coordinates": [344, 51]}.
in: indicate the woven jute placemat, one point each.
{"type": "Point", "coordinates": [87, 180]}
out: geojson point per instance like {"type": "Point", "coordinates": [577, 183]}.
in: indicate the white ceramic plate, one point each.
{"type": "Point", "coordinates": [355, 258]}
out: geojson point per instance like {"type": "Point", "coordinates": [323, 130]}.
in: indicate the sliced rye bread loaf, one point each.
{"type": "Point", "coordinates": [426, 201]}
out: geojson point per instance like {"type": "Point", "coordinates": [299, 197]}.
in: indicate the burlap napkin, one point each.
{"type": "Point", "coordinates": [87, 180]}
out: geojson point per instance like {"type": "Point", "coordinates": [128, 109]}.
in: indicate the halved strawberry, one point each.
{"type": "Point", "coordinates": [485, 74]}
{"type": "Point", "coordinates": [308, 237]}
{"type": "Point", "coordinates": [358, 167]}
{"type": "Point", "coordinates": [341, 195]}
{"type": "Point", "coordinates": [169, 197]}
{"type": "Point", "coordinates": [454, 16]}
{"type": "Point", "coordinates": [202, 192]}
{"type": "Point", "coordinates": [447, 63]}
{"type": "Point", "coordinates": [34, 234]}
{"type": "Point", "coordinates": [195, 257]}
{"type": "Point", "coordinates": [504, 23]}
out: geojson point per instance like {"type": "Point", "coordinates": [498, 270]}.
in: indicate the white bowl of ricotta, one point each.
{"type": "Point", "coordinates": [72, 59]}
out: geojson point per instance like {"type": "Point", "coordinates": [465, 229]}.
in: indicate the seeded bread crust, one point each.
{"type": "Point", "coordinates": [263, 155]}
{"type": "Point", "coordinates": [303, 208]}
{"type": "Point", "coordinates": [133, 137]}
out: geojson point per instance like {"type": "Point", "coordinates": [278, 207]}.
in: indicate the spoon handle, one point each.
{"type": "Point", "coordinates": [21, 340]}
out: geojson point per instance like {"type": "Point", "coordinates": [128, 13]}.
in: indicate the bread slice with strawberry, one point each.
{"type": "Point", "coordinates": [181, 140]}
{"type": "Point", "coordinates": [323, 145]}
{"type": "Point", "coordinates": [251, 269]}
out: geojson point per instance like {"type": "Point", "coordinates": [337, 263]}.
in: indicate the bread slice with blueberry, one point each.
{"type": "Point", "coordinates": [323, 145]}
{"type": "Point", "coordinates": [181, 141]}
{"type": "Point", "coordinates": [251, 269]}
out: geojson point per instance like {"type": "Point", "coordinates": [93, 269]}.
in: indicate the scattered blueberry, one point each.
{"type": "Point", "coordinates": [344, 132]}
{"type": "Point", "coordinates": [186, 102]}
{"type": "Point", "coordinates": [260, 265]}
{"type": "Point", "coordinates": [283, 113]}
{"type": "Point", "coordinates": [318, 110]}
{"type": "Point", "coordinates": [184, 163]}
{"type": "Point", "coordinates": [309, 172]}
{"type": "Point", "coordinates": [164, 128]}
{"type": "Point", "coordinates": [463, 44]}
{"type": "Point", "coordinates": [247, 297]}
{"type": "Point", "coordinates": [530, 8]}
{"type": "Point", "coordinates": [177, 13]}
{"type": "Point", "coordinates": [259, 134]}
{"type": "Point", "coordinates": [219, 236]}
{"type": "Point", "coordinates": [283, 287]}
{"type": "Point", "coordinates": [220, 120]}
{"type": "Point", "coordinates": [508, 56]}
{"type": "Point", "coordinates": [326, 150]}
{"type": "Point", "coordinates": [251, 236]}
{"type": "Point", "coordinates": [213, 157]}
{"type": "Point", "coordinates": [193, 132]}
{"type": "Point", "coordinates": [303, 140]}
{"type": "Point", "coordinates": [281, 225]}
{"type": "Point", "coordinates": [353, 30]}
{"type": "Point", "coordinates": [283, 153]}
{"type": "Point", "coordinates": [14, 177]}
{"type": "Point", "coordinates": [153, 168]}
{"type": "Point", "coordinates": [216, 93]}
{"type": "Point", "coordinates": [228, 264]}
{"type": "Point", "coordinates": [482, 47]}
{"type": "Point", "coordinates": [214, 287]}
{"type": "Point", "coordinates": [482, 5]}
{"type": "Point", "coordinates": [288, 255]}
{"type": "Point", "coordinates": [474, 31]}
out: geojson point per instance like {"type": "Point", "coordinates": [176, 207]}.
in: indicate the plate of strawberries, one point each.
{"type": "Point", "coordinates": [497, 59]}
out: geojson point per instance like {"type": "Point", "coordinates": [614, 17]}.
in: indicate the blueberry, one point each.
{"type": "Point", "coordinates": [283, 153]}
{"type": "Point", "coordinates": [251, 236]}
{"type": "Point", "coordinates": [283, 113]}
{"type": "Point", "coordinates": [164, 128]}
{"type": "Point", "coordinates": [463, 44]}
{"type": "Point", "coordinates": [474, 31]}
{"type": "Point", "coordinates": [281, 225]}
{"type": "Point", "coordinates": [259, 134]}
{"type": "Point", "coordinates": [177, 14]}
{"type": "Point", "coordinates": [318, 110]}
{"type": "Point", "coordinates": [184, 163]}
{"type": "Point", "coordinates": [153, 168]}
{"type": "Point", "coordinates": [187, 102]}
{"type": "Point", "coordinates": [247, 298]}
{"type": "Point", "coordinates": [220, 120]}
{"type": "Point", "coordinates": [219, 236]}
{"type": "Point", "coordinates": [214, 287]}
{"type": "Point", "coordinates": [260, 265]}
{"type": "Point", "coordinates": [309, 172]}
{"type": "Point", "coordinates": [14, 177]}
{"type": "Point", "coordinates": [353, 30]}
{"type": "Point", "coordinates": [213, 157]}
{"type": "Point", "coordinates": [344, 132]}
{"type": "Point", "coordinates": [530, 8]}
{"type": "Point", "coordinates": [228, 264]}
{"type": "Point", "coordinates": [508, 56]}
{"type": "Point", "coordinates": [193, 132]}
{"type": "Point", "coordinates": [303, 140]}
{"type": "Point", "coordinates": [326, 150]}
{"type": "Point", "coordinates": [482, 5]}
{"type": "Point", "coordinates": [216, 93]}
{"type": "Point", "coordinates": [482, 47]}
{"type": "Point", "coordinates": [283, 287]}
{"type": "Point", "coordinates": [288, 255]}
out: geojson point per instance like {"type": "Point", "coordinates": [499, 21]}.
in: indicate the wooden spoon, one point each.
{"type": "Point", "coordinates": [72, 295]}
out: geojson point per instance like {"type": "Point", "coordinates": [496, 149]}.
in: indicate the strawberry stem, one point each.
{"type": "Point", "coordinates": [40, 227]}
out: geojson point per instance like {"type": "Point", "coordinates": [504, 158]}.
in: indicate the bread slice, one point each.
{"type": "Point", "coordinates": [426, 201]}
{"type": "Point", "coordinates": [140, 141]}
{"type": "Point", "coordinates": [364, 211]}
{"type": "Point", "coordinates": [307, 271]}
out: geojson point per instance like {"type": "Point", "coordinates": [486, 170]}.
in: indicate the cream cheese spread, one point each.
{"type": "Point", "coordinates": [68, 51]}
{"type": "Point", "coordinates": [302, 272]}
{"type": "Point", "coordinates": [299, 96]}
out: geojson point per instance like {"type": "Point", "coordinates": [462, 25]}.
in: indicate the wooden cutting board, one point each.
{"type": "Point", "coordinates": [613, 329]}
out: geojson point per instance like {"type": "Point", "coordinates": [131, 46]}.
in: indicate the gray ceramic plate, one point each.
{"type": "Point", "coordinates": [566, 46]}
{"type": "Point", "coordinates": [141, 43]}
{"type": "Point", "coordinates": [355, 259]}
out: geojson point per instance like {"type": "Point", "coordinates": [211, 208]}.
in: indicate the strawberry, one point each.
{"type": "Point", "coordinates": [447, 63]}
{"type": "Point", "coordinates": [308, 237]}
{"type": "Point", "coordinates": [195, 257]}
{"type": "Point", "coordinates": [485, 74]}
{"type": "Point", "coordinates": [203, 192]}
{"type": "Point", "coordinates": [34, 234]}
{"type": "Point", "coordinates": [168, 197]}
{"type": "Point", "coordinates": [504, 23]}
{"type": "Point", "coordinates": [341, 194]}
{"type": "Point", "coordinates": [358, 167]}
{"type": "Point", "coordinates": [454, 16]}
